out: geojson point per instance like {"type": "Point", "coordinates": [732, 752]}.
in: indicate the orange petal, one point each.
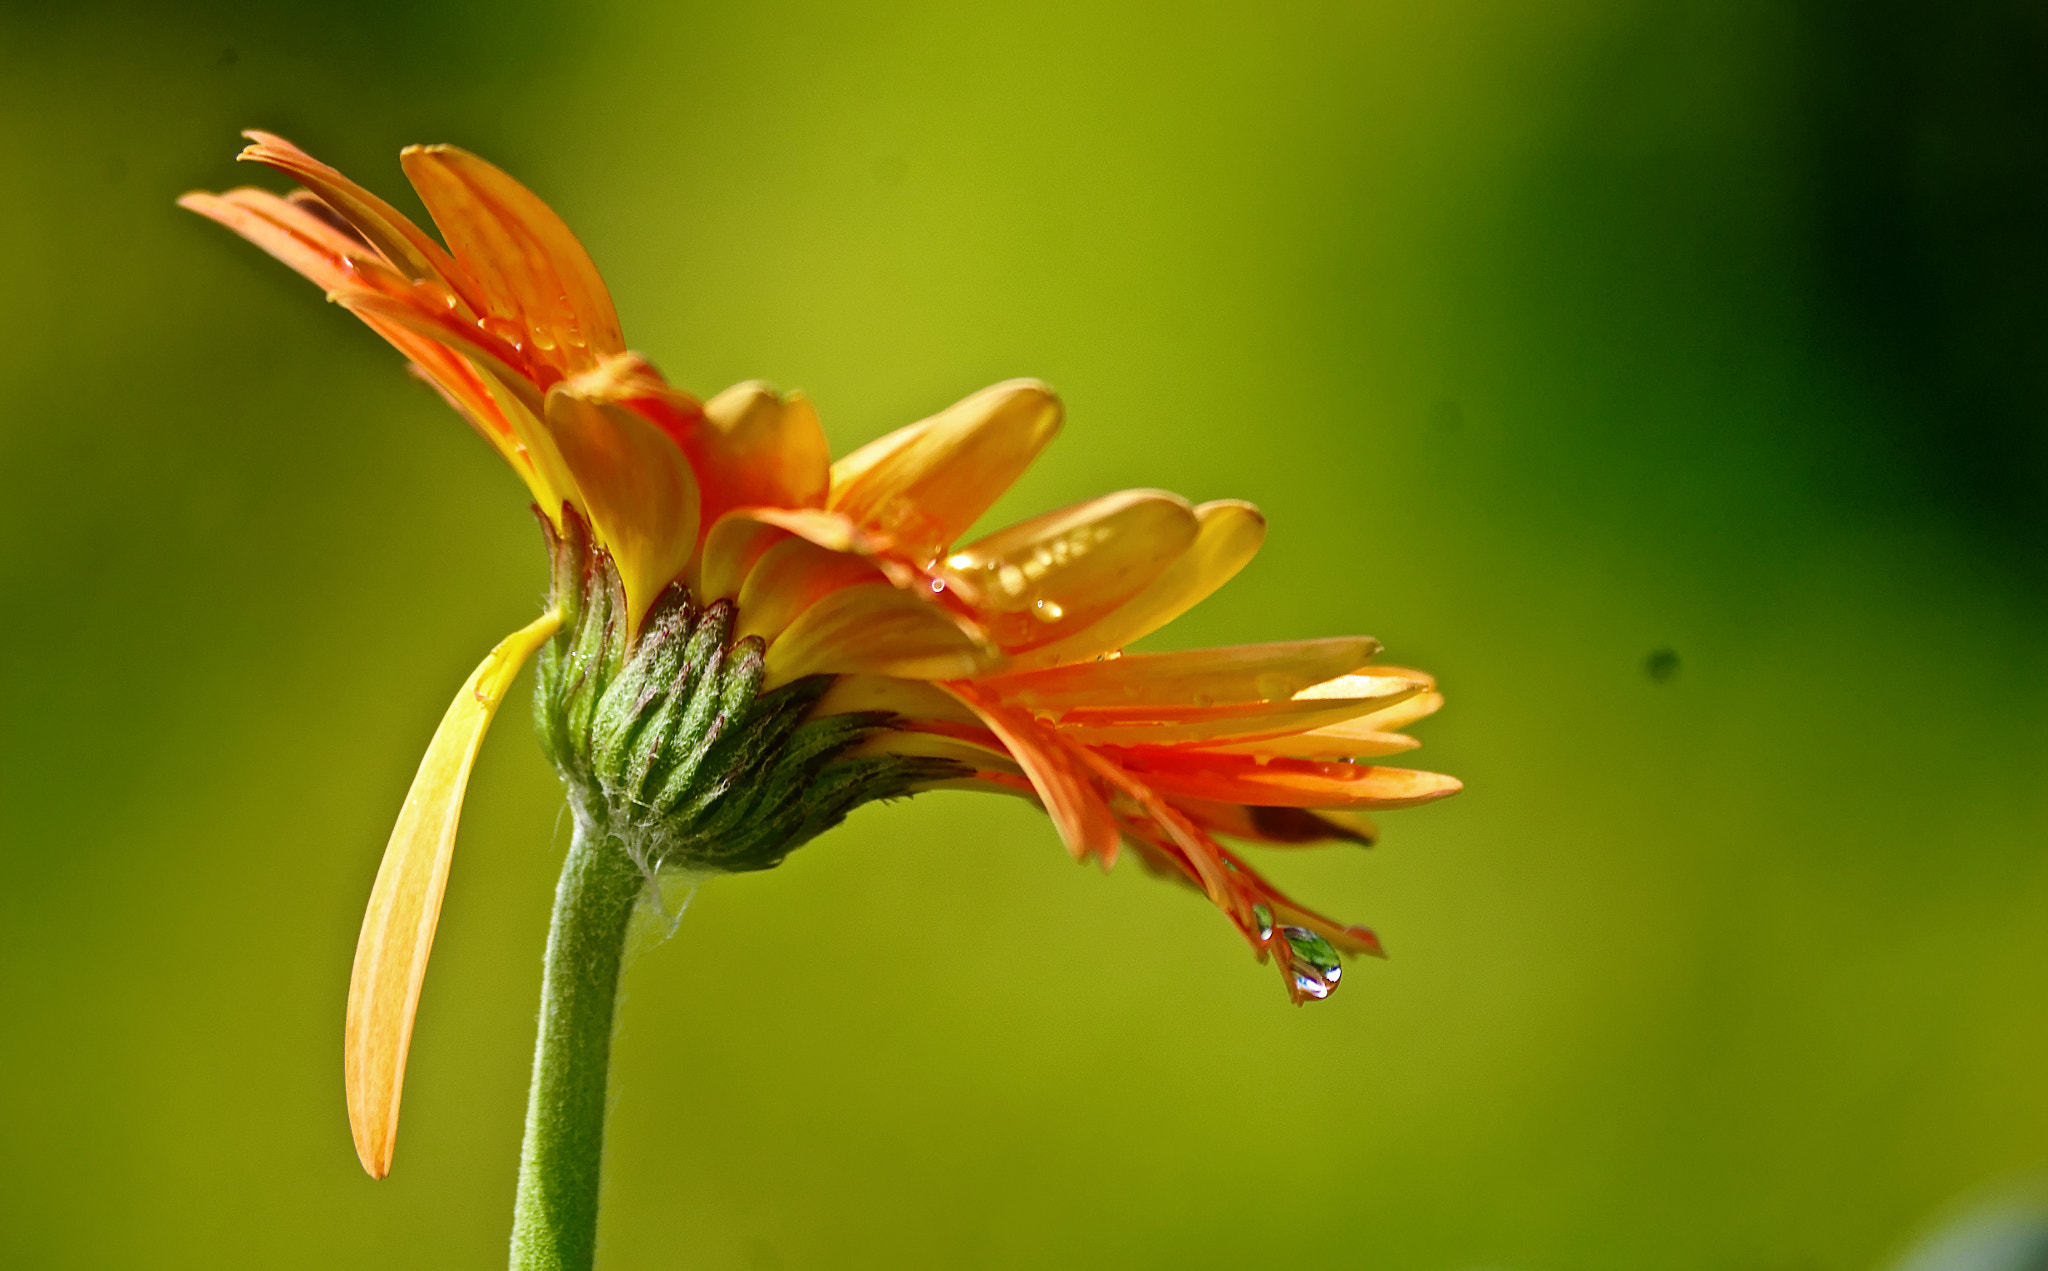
{"type": "Point", "coordinates": [761, 448]}
{"type": "Point", "coordinates": [877, 629]}
{"type": "Point", "coordinates": [531, 269]}
{"type": "Point", "coordinates": [1230, 534]}
{"type": "Point", "coordinates": [1184, 725]}
{"type": "Point", "coordinates": [1039, 579]}
{"type": "Point", "coordinates": [405, 902]}
{"type": "Point", "coordinates": [1297, 783]}
{"type": "Point", "coordinates": [636, 487]}
{"type": "Point", "coordinates": [1235, 673]}
{"type": "Point", "coordinates": [731, 548]}
{"type": "Point", "coordinates": [1077, 809]}
{"type": "Point", "coordinates": [401, 242]}
{"type": "Point", "coordinates": [1365, 737]}
{"type": "Point", "coordinates": [285, 232]}
{"type": "Point", "coordinates": [923, 486]}
{"type": "Point", "coordinates": [1288, 827]}
{"type": "Point", "coordinates": [918, 700]}
{"type": "Point", "coordinates": [789, 578]}
{"type": "Point", "coordinates": [1351, 739]}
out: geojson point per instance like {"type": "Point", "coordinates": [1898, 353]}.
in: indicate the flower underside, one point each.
{"type": "Point", "coordinates": [746, 639]}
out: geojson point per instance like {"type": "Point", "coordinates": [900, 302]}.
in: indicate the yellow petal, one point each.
{"type": "Point", "coordinates": [636, 487]}
{"type": "Point", "coordinates": [405, 903]}
{"type": "Point", "coordinates": [1351, 739]}
{"type": "Point", "coordinates": [877, 629]}
{"type": "Point", "coordinates": [1230, 534]}
{"type": "Point", "coordinates": [1039, 579]}
{"type": "Point", "coordinates": [912, 699]}
{"type": "Point", "coordinates": [761, 448]}
{"type": "Point", "coordinates": [531, 268]}
{"type": "Point", "coordinates": [1406, 713]}
{"type": "Point", "coordinates": [731, 549]}
{"type": "Point", "coordinates": [1183, 725]}
{"type": "Point", "coordinates": [789, 578]}
{"type": "Point", "coordinates": [1198, 677]}
{"type": "Point", "coordinates": [924, 485]}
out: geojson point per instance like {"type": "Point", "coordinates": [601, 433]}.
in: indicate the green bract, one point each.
{"type": "Point", "coordinates": [667, 741]}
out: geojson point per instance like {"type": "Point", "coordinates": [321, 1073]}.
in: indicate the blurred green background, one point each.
{"type": "Point", "coordinates": [1550, 335]}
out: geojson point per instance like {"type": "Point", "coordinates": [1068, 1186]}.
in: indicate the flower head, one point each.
{"type": "Point", "coordinates": [747, 639]}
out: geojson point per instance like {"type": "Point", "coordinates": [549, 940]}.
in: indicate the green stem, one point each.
{"type": "Point", "coordinates": [554, 1219]}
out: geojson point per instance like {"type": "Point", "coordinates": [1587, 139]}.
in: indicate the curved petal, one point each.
{"type": "Point", "coordinates": [317, 252]}
{"type": "Point", "coordinates": [789, 578]}
{"type": "Point", "coordinates": [1281, 827]}
{"type": "Point", "coordinates": [1034, 581]}
{"type": "Point", "coordinates": [530, 267]}
{"type": "Point", "coordinates": [1230, 534]}
{"type": "Point", "coordinates": [732, 546]}
{"type": "Point", "coordinates": [1350, 739]}
{"type": "Point", "coordinates": [1189, 725]}
{"type": "Point", "coordinates": [1069, 793]}
{"type": "Point", "coordinates": [877, 629]}
{"type": "Point", "coordinates": [761, 448]}
{"type": "Point", "coordinates": [1227, 778]}
{"type": "Point", "coordinates": [636, 487]}
{"type": "Point", "coordinates": [924, 485]}
{"type": "Point", "coordinates": [1234, 673]}
{"type": "Point", "coordinates": [402, 243]}
{"type": "Point", "coordinates": [916, 700]}
{"type": "Point", "coordinates": [405, 902]}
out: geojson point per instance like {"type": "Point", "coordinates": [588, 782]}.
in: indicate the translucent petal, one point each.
{"type": "Point", "coordinates": [636, 487]}
{"type": "Point", "coordinates": [1183, 725]}
{"type": "Point", "coordinates": [912, 699]}
{"type": "Point", "coordinates": [731, 549]}
{"type": "Point", "coordinates": [1197, 677]}
{"type": "Point", "coordinates": [405, 245]}
{"type": "Point", "coordinates": [1037, 580]}
{"type": "Point", "coordinates": [530, 266]}
{"type": "Point", "coordinates": [921, 487]}
{"type": "Point", "coordinates": [405, 902]}
{"type": "Point", "coordinates": [761, 448]}
{"type": "Point", "coordinates": [877, 629]}
{"type": "Point", "coordinates": [789, 578]}
{"type": "Point", "coordinates": [1286, 827]}
{"type": "Point", "coordinates": [1227, 778]}
{"type": "Point", "coordinates": [1351, 739]}
{"type": "Point", "coordinates": [1230, 534]}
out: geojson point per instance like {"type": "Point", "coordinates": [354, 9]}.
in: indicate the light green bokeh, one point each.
{"type": "Point", "coordinates": [1492, 308]}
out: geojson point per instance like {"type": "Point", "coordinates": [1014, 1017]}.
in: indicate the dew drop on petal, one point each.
{"type": "Point", "coordinates": [1313, 962]}
{"type": "Point", "coordinates": [1273, 687]}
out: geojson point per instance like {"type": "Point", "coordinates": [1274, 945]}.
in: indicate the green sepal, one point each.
{"type": "Point", "coordinates": [668, 740]}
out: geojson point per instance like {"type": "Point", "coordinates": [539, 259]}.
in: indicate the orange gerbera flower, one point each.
{"type": "Point", "coordinates": [710, 556]}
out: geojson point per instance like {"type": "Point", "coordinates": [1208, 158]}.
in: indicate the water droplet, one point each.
{"type": "Point", "coordinates": [1048, 610]}
{"type": "Point", "coordinates": [504, 328]}
{"type": "Point", "coordinates": [1265, 920]}
{"type": "Point", "coordinates": [1273, 687]}
{"type": "Point", "coordinates": [938, 584]}
{"type": "Point", "coordinates": [1310, 986]}
{"type": "Point", "coordinates": [1312, 961]}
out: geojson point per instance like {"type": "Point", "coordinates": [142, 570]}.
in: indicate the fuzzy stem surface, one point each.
{"type": "Point", "coordinates": [554, 1219]}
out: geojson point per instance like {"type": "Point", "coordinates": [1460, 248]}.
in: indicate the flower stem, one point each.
{"type": "Point", "coordinates": [554, 1219]}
